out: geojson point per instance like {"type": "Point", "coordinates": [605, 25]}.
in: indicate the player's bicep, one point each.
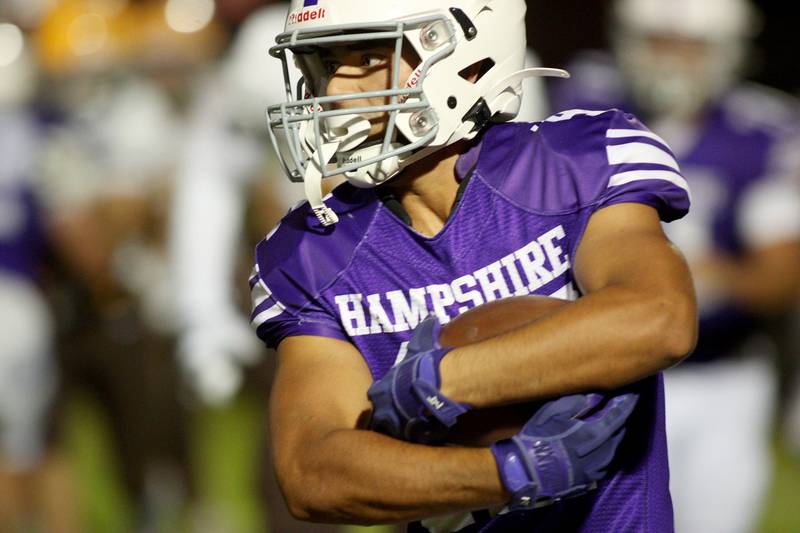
{"type": "Point", "coordinates": [624, 245]}
{"type": "Point", "coordinates": [320, 386]}
{"type": "Point", "coordinates": [644, 281]}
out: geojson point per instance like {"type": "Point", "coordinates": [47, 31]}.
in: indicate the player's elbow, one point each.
{"type": "Point", "coordinates": [304, 504]}
{"type": "Point", "coordinates": [298, 507]}
{"type": "Point", "coordinates": [308, 509]}
{"type": "Point", "coordinates": [312, 495]}
{"type": "Point", "coordinates": [301, 489]}
{"type": "Point", "coordinates": [676, 331]}
{"type": "Point", "coordinates": [325, 505]}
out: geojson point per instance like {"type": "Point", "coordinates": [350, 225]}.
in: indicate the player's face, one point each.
{"type": "Point", "coordinates": [690, 56]}
{"type": "Point", "coordinates": [360, 68]}
{"type": "Point", "coordinates": [671, 76]}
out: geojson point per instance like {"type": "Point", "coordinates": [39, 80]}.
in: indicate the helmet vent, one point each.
{"type": "Point", "coordinates": [477, 70]}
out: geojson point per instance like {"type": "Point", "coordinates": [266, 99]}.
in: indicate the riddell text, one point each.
{"type": "Point", "coordinates": [306, 15]}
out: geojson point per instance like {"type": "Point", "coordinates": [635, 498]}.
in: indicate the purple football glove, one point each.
{"type": "Point", "coordinates": [563, 449]}
{"type": "Point", "coordinates": [407, 403]}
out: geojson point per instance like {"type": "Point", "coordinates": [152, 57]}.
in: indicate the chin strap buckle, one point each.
{"type": "Point", "coordinates": [325, 215]}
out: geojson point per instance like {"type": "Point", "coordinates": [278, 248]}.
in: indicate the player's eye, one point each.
{"type": "Point", "coordinates": [372, 60]}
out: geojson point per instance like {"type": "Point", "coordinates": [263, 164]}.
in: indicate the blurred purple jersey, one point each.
{"type": "Point", "coordinates": [21, 233]}
{"type": "Point", "coordinates": [370, 279]}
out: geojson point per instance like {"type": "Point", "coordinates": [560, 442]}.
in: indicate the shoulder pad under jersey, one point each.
{"type": "Point", "coordinates": [582, 158]}
{"type": "Point", "coordinates": [300, 258]}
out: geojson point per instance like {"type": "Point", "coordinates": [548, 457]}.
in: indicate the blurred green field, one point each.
{"type": "Point", "coordinates": [224, 452]}
{"type": "Point", "coordinates": [224, 457]}
{"type": "Point", "coordinates": [782, 512]}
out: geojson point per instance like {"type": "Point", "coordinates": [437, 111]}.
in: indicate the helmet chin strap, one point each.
{"type": "Point", "coordinates": [340, 132]}
{"type": "Point", "coordinates": [372, 175]}
{"type": "Point", "coordinates": [312, 183]}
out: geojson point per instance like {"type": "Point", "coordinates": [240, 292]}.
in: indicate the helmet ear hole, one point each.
{"type": "Point", "coordinates": [477, 70]}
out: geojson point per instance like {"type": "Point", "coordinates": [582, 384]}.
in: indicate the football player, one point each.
{"type": "Point", "coordinates": [677, 63]}
{"type": "Point", "coordinates": [445, 208]}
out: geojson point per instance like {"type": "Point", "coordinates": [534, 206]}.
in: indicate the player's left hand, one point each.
{"type": "Point", "coordinates": [407, 403]}
{"type": "Point", "coordinates": [564, 449]}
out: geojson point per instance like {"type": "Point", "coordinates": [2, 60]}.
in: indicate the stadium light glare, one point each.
{"type": "Point", "coordinates": [11, 43]}
{"type": "Point", "coordinates": [88, 34]}
{"type": "Point", "coordinates": [189, 16]}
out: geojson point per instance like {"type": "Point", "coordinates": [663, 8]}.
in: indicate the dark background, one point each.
{"type": "Point", "coordinates": [556, 30]}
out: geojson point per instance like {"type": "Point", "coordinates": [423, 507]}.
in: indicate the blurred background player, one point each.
{"type": "Point", "coordinates": [223, 160]}
{"type": "Point", "coordinates": [106, 167]}
{"type": "Point", "coordinates": [228, 193]}
{"type": "Point", "coordinates": [33, 476]}
{"type": "Point", "coordinates": [678, 64]}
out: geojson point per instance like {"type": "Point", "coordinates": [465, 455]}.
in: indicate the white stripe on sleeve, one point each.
{"type": "Point", "coordinates": [640, 153]}
{"type": "Point", "coordinates": [267, 314]}
{"type": "Point", "coordinates": [641, 175]}
{"type": "Point", "coordinates": [259, 293]}
{"type": "Point", "coordinates": [626, 134]}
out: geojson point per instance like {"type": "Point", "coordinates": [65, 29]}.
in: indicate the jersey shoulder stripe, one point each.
{"type": "Point", "coordinates": [638, 152]}
{"type": "Point", "coordinates": [265, 306]}
{"type": "Point", "coordinates": [642, 147]}
{"type": "Point", "coordinates": [299, 259]}
{"type": "Point", "coordinates": [583, 159]}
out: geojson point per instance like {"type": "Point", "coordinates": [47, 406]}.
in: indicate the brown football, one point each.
{"type": "Point", "coordinates": [481, 427]}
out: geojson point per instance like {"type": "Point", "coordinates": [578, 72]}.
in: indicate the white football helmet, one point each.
{"type": "Point", "coordinates": [677, 55]}
{"type": "Point", "coordinates": [435, 107]}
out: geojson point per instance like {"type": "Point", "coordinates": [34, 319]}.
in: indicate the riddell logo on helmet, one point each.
{"type": "Point", "coordinates": [304, 15]}
{"type": "Point", "coordinates": [412, 83]}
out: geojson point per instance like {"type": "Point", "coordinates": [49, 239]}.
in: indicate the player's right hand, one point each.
{"type": "Point", "coordinates": [407, 403]}
{"type": "Point", "coordinates": [564, 449]}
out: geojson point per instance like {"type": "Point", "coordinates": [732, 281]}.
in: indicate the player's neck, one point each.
{"type": "Point", "coordinates": [428, 189]}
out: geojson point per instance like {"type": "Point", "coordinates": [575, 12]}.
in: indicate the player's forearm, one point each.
{"type": "Point", "coordinates": [362, 477]}
{"type": "Point", "coordinates": [603, 341]}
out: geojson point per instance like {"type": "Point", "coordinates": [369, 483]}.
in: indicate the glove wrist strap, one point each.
{"type": "Point", "coordinates": [516, 474]}
{"type": "Point", "coordinates": [426, 388]}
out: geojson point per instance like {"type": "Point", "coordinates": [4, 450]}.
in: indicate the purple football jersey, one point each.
{"type": "Point", "coordinates": [370, 279]}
